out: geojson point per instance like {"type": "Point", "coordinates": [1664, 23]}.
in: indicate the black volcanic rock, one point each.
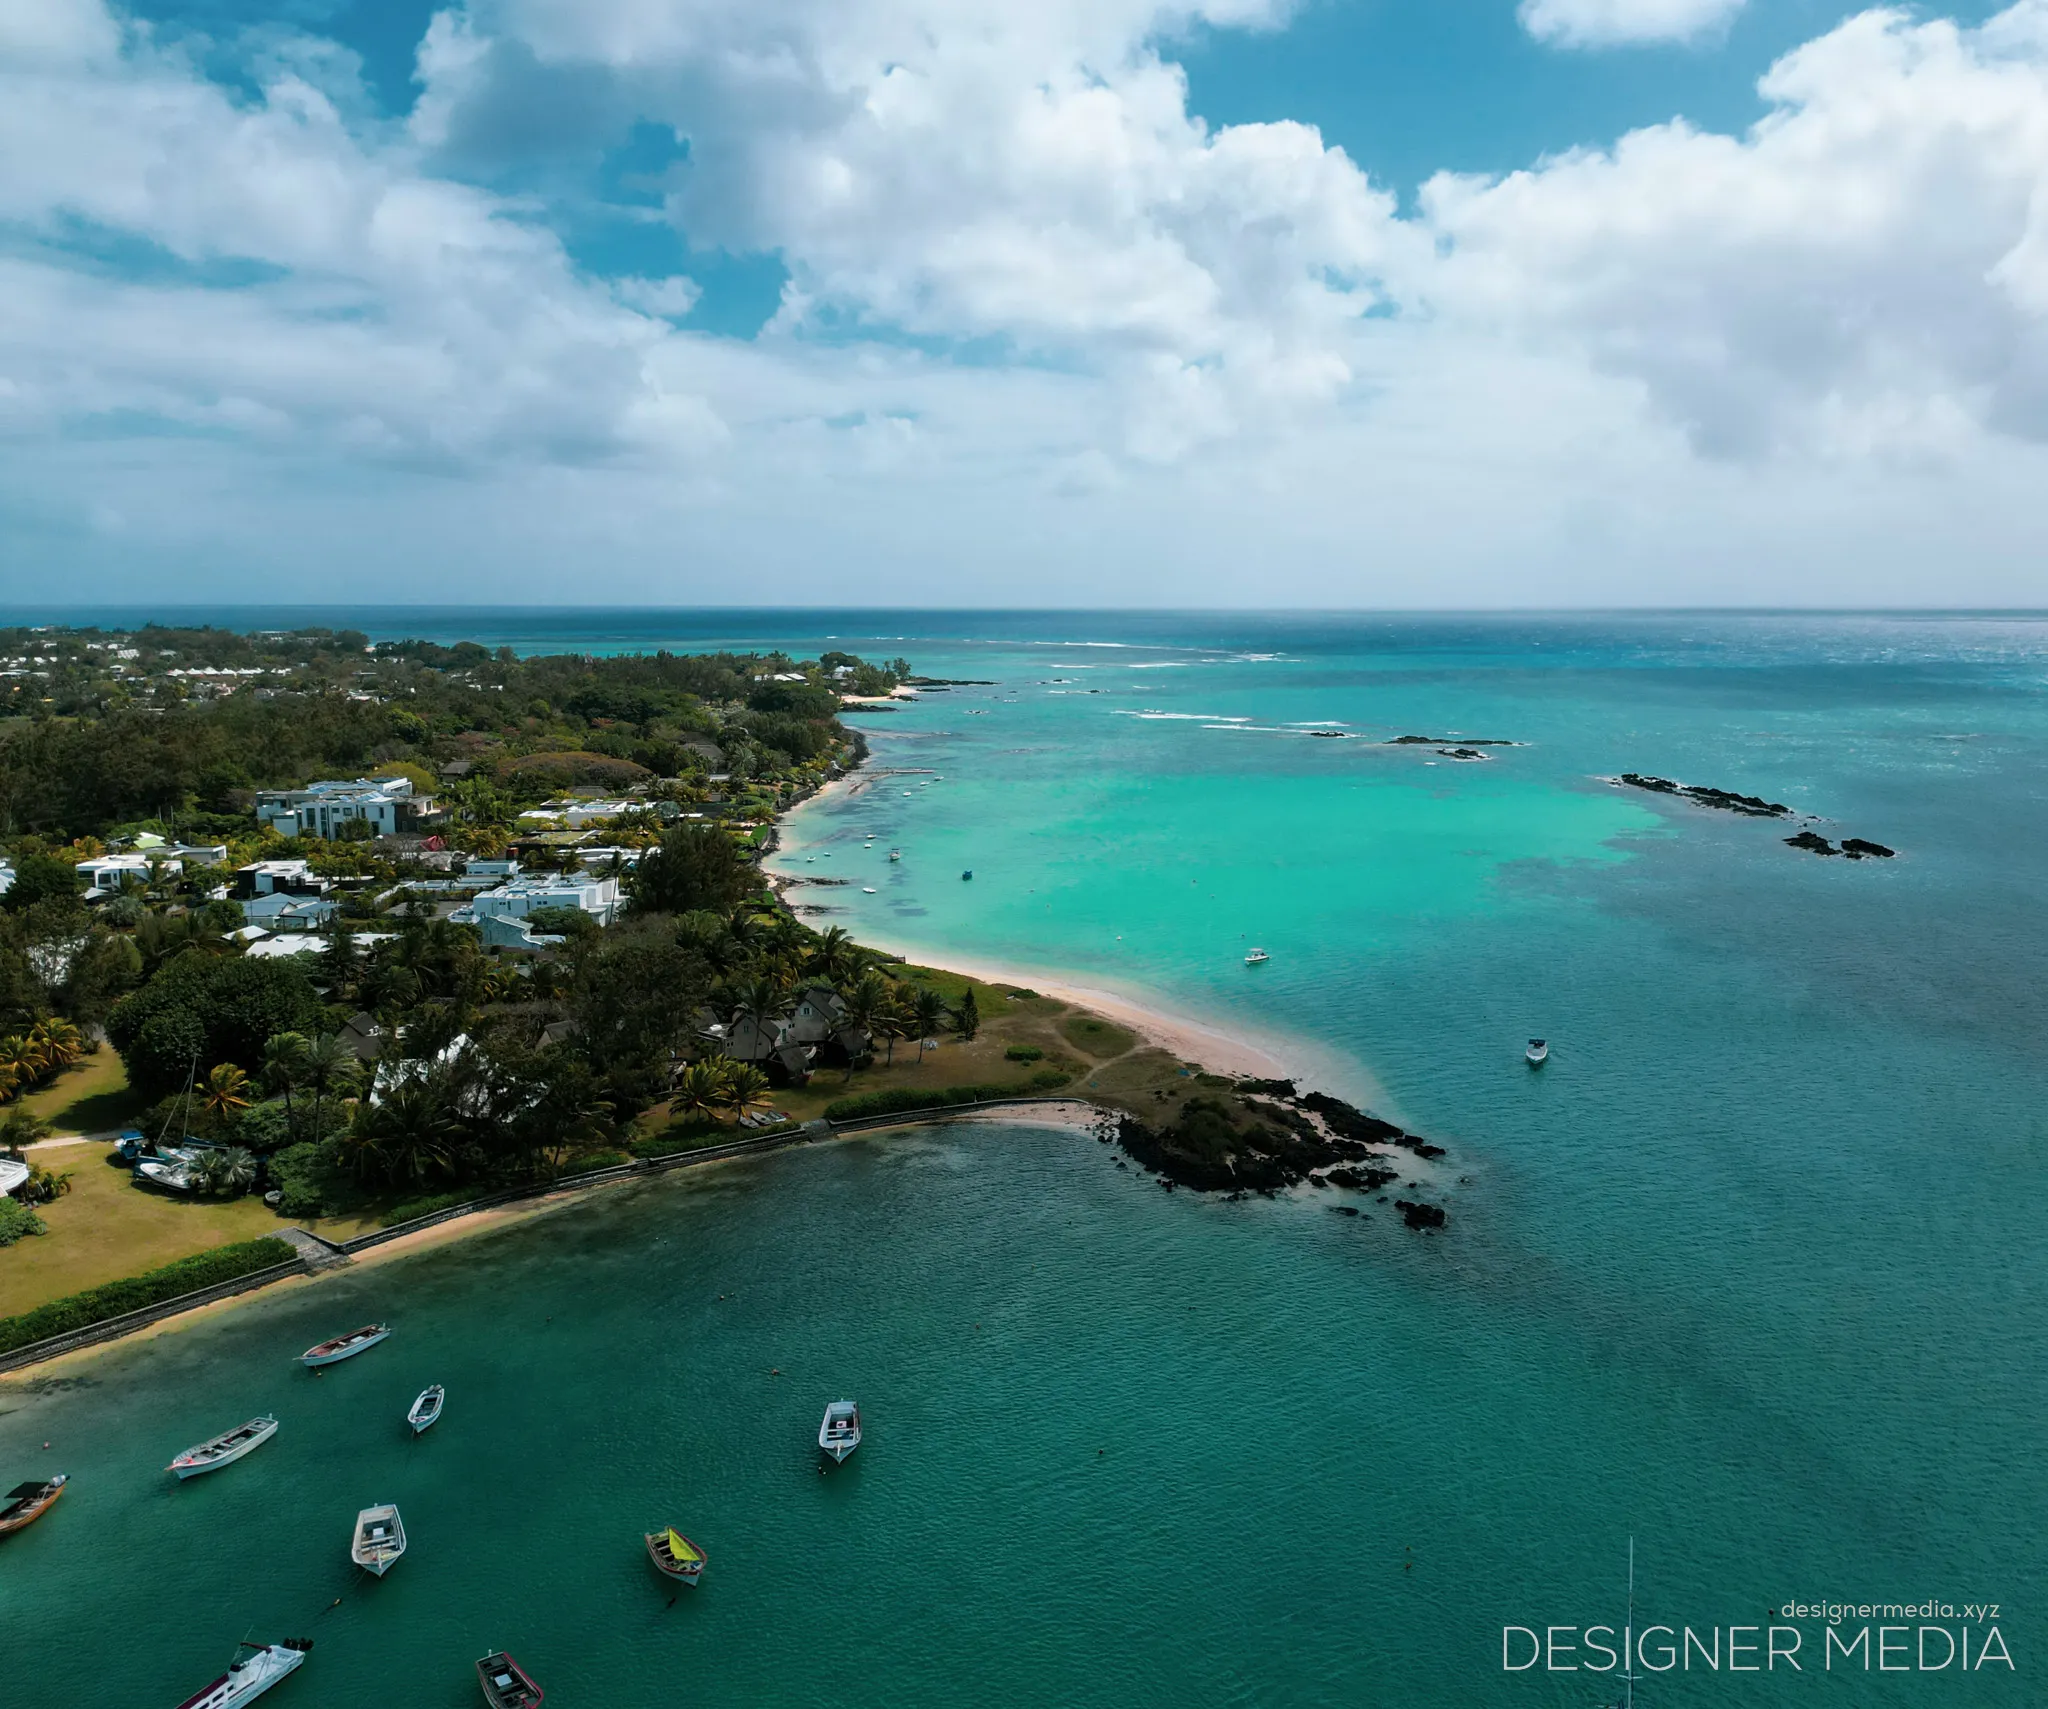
{"type": "Point", "coordinates": [1857, 847]}
{"type": "Point", "coordinates": [1813, 841]}
{"type": "Point", "coordinates": [1420, 1215]}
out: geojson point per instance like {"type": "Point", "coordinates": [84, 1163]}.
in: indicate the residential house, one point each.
{"type": "Point", "coordinates": [519, 897]}
{"type": "Point", "coordinates": [109, 875]}
{"type": "Point", "coordinates": [771, 1044]}
{"type": "Point", "coordinates": [820, 1021]}
{"type": "Point", "coordinates": [387, 804]}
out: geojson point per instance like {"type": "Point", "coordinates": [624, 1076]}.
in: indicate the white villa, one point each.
{"type": "Point", "coordinates": [501, 913]}
{"type": "Point", "coordinates": [387, 804]}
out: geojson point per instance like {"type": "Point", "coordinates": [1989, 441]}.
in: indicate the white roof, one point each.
{"type": "Point", "coordinates": [12, 1174]}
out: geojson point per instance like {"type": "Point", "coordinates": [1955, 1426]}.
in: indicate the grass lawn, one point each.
{"type": "Point", "coordinates": [91, 1096]}
{"type": "Point", "coordinates": [106, 1228]}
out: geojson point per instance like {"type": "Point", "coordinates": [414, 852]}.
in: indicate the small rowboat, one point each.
{"type": "Point", "coordinates": [379, 1539]}
{"type": "Point", "coordinates": [345, 1346]}
{"type": "Point", "coordinates": [675, 1556]}
{"type": "Point", "coordinates": [426, 1411]}
{"type": "Point", "coordinates": [506, 1684]}
{"type": "Point", "coordinates": [225, 1449]}
{"type": "Point", "coordinates": [26, 1503]}
{"type": "Point", "coordinates": [1538, 1052]}
{"type": "Point", "coordinates": [839, 1434]}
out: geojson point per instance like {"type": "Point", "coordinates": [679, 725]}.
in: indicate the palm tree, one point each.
{"type": "Point", "coordinates": [22, 1062]}
{"type": "Point", "coordinates": [225, 1173]}
{"type": "Point", "coordinates": [60, 1042]}
{"type": "Point", "coordinates": [284, 1067]}
{"type": "Point", "coordinates": [227, 1089]}
{"type": "Point", "coordinates": [867, 1007]}
{"type": "Point", "coordinates": [759, 1000]}
{"type": "Point", "coordinates": [928, 1009]}
{"type": "Point", "coordinates": [330, 1067]}
{"type": "Point", "coordinates": [746, 1090]}
{"type": "Point", "coordinates": [23, 1128]}
{"type": "Point", "coordinates": [835, 954]}
{"type": "Point", "coordinates": [702, 1087]}
{"type": "Point", "coordinates": [407, 1134]}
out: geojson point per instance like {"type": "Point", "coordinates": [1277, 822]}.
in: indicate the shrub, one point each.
{"type": "Point", "coordinates": [1025, 1053]}
{"type": "Point", "coordinates": [16, 1220]}
{"type": "Point", "coordinates": [310, 1179]}
{"type": "Point", "coordinates": [898, 1100]}
{"type": "Point", "coordinates": [113, 1299]}
{"type": "Point", "coordinates": [407, 1209]}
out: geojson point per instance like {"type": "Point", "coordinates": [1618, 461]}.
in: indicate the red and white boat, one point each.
{"type": "Point", "coordinates": [345, 1346]}
{"type": "Point", "coordinates": [506, 1684]}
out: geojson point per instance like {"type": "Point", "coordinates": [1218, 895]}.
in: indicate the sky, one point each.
{"type": "Point", "coordinates": [1329, 303]}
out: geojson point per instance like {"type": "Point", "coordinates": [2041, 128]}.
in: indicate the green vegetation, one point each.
{"type": "Point", "coordinates": [900, 1099]}
{"type": "Point", "coordinates": [17, 1220]}
{"type": "Point", "coordinates": [114, 1299]}
{"type": "Point", "coordinates": [1099, 1038]}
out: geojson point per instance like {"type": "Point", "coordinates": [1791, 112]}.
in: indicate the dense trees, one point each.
{"type": "Point", "coordinates": [199, 1012]}
{"type": "Point", "coordinates": [692, 868]}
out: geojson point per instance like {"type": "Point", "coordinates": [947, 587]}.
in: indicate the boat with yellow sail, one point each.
{"type": "Point", "coordinates": [675, 1556]}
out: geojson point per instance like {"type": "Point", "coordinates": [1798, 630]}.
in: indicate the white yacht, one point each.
{"type": "Point", "coordinates": [379, 1539]}
{"type": "Point", "coordinates": [224, 1449]}
{"type": "Point", "coordinates": [839, 1435]}
{"type": "Point", "coordinates": [249, 1676]}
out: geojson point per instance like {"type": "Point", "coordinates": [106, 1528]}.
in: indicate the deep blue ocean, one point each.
{"type": "Point", "coordinates": [1752, 1271]}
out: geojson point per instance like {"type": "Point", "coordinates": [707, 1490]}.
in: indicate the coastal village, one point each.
{"type": "Point", "coordinates": [524, 936]}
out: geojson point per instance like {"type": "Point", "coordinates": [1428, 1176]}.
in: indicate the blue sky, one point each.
{"type": "Point", "coordinates": [1345, 302]}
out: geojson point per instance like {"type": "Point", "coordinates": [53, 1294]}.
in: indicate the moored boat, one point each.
{"type": "Point", "coordinates": [249, 1676]}
{"type": "Point", "coordinates": [224, 1449]}
{"type": "Point", "coordinates": [426, 1411]}
{"type": "Point", "coordinates": [1538, 1052]}
{"type": "Point", "coordinates": [379, 1539]}
{"type": "Point", "coordinates": [839, 1434]}
{"type": "Point", "coordinates": [506, 1684]}
{"type": "Point", "coordinates": [675, 1556]}
{"type": "Point", "coordinates": [26, 1503]}
{"type": "Point", "coordinates": [345, 1346]}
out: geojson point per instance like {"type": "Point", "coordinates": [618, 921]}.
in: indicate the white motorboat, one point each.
{"type": "Point", "coordinates": [249, 1676]}
{"type": "Point", "coordinates": [174, 1177]}
{"type": "Point", "coordinates": [224, 1449]}
{"type": "Point", "coordinates": [1254, 957]}
{"type": "Point", "coordinates": [426, 1411]}
{"type": "Point", "coordinates": [345, 1346]}
{"type": "Point", "coordinates": [839, 1434]}
{"type": "Point", "coordinates": [1538, 1052]}
{"type": "Point", "coordinates": [379, 1539]}
{"type": "Point", "coordinates": [895, 854]}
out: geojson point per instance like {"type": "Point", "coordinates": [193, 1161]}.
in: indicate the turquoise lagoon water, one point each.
{"type": "Point", "coordinates": [1752, 1271]}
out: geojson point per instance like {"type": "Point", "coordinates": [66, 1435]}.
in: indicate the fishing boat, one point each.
{"type": "Point", "coordinates": [675, 1556]}
{"type": "Point", "coordinates": [249, 1676]}
{"type": "Point", "coordinates": [839, 1435]}
{"type": "Point", "coordinates": [26, 1503]}
{"type": "Point", "coordinates": [1538, 1052]}
{"type": "Point", "coordinates": [895, 854]}
{"type": "Point", "coordinates": [379, 1539]}
{"type": "Point", "coordinates": [1255, 957]}
{"type": "Point", "coordinates": [425, 1412]}
{"type": "Point", "coordinates": [506, 1684]}
{"type": "Point", "coordinates": [225, 1449]}
{"type": "Point", "coordinates": [345, 1346]}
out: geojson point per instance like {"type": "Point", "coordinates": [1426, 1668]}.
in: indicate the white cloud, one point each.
{"type": "Point", "coordinates": [1618, 23]}
{"type": "Point", "coordinates": [1043, 322]}
{"type": "Point", "coordinates": [1866, 269]}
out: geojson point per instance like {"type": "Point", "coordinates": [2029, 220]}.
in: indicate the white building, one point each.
{"type": "Point", "coordinates": [519, 897]}
{"type": "Point", "coordinates": [109, 874]}
{"type": "Point", "coordinates": [387, 804]}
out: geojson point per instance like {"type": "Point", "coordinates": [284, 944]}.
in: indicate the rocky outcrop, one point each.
{"type": "Point", "coordinates": [1753, 806]}
{"type": "Point", "coordinates": [1420, 1216]}
{"type": "Point", "coordinates": [1858, 848]}
{"type": "Point", "coordinates": [1814, 842]}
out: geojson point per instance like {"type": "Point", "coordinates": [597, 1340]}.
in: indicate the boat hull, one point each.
{"type": "Point", "coordinates": [249, 1678]}
{"type": "Point", "coordinates": [185, 1468]}
{"type": "Point", "coordinates": [378, 1544]}
{"type": "Point", "coordinates": [507, 1685]}
{"type": "Point", "coordinates": [18, 1518]}
{"type": "Point", "coordinates": [426, 1411]}
{"type": "Point", "coordinates": [331, 1353]}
